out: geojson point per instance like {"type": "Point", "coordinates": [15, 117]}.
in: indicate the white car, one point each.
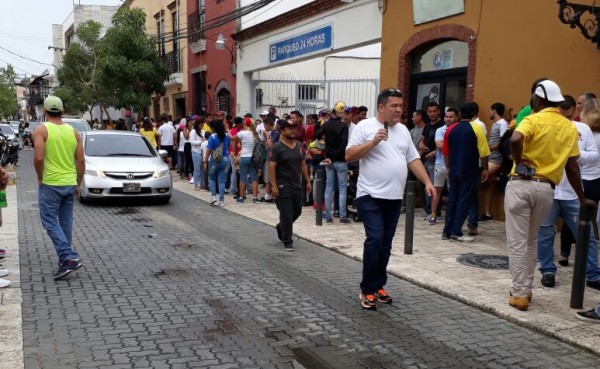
{"type": "Point", "coordinates": [123, 164]}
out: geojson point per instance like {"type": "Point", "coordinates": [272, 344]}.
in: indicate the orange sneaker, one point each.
{"type": "Point", "coordinates": [383, 297]}
{"type": "Point", "coordinates": [368, 301]}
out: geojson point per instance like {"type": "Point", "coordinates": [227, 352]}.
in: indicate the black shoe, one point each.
{"type": "Point", "coordinates": [288, 247]}
{"type": "Point", "coordinates": [279, 234]}
{"type": "Point", "coordinates": [66, 268]}
{"type": "Point", "coordinates": [564, 262]}
{"type": "Point", "coordinates": [593, 284]}
{"type": "Point", "coordinates": [588, 316]}
{"type": "Point", "coordinates": [485, 218]}
{"type": "Point", "coordinates": [548, 280]}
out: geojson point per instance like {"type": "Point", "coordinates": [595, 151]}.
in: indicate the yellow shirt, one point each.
{"type": "Point", "coordinates": [207, 128]}
{"type": "Point", "coordinates": [549, 141]}
{"type": "Point", "coordinates": [150, 135]}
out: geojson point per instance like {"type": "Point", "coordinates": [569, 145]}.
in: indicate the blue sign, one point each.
{"type": "Point", "coordinates": [307, 43]}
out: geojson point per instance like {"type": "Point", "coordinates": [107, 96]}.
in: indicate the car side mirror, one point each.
{"type": "Point", "coordinates": [163, 153]}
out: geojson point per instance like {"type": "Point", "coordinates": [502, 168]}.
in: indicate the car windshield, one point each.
{"type": "Point", "coordinates": [79, 125]}
{"type": "Point", "coordinates": [118, 145]}
{"type": "Point", "coordinates": [7, 130]}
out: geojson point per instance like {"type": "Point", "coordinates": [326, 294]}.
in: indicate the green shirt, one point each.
{"type": "Point", "coordinates": [59, 159]}
{"type": "Point", "coordinates": [525, 112]}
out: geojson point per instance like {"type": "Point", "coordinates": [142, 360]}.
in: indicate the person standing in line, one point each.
{"type": "Point", "coordinates": [60, 165]}
{"type": "Point", "coordinates": [218, 153]}
{"type": "Point", "coordinates": [419, 123]}
{"type": "Point", "coordinates": [287, 167]}
{"type": "Point", "coordinates": [499, 127]}
{"type": "Point", "coordinates": [440, 177]}
{"type": "Point", "coordinates": [379, 192]}
{"type": "Point", "coordinates": [3, 272]}
{"type": "Point", "coordinates": [542, 146]}
{"type": "Point", "coordinates": [167, 138]}
{"type": "Point", "coordinates": [246, 138]}
{"type": "Point", "coordinates": [426, 147]}
{"type": "Point", "coordinates": [196, 139]}
{"type": "Point", "coordinates": [465, 147]}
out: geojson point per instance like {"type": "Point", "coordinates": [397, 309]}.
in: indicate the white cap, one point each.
{"type": "Point", "coordinates": [549, 90]}
{"type": "Point", "coordinates": [265, 112]}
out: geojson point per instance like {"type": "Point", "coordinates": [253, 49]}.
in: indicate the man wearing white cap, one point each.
{"type": "Point", "coordinates": [544, 144]}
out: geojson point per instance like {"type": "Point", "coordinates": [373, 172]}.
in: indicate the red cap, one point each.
{"type": "Point", "coordinates": [248, 121]}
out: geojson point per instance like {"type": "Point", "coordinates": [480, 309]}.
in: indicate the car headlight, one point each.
{"type": "Point", "coordinates": [95, 173]}
{"type": "Point", "coordinates": [161, 173]}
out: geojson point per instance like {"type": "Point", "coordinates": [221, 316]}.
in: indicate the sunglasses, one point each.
{"type": "Point", "coordinates": [392, 92]}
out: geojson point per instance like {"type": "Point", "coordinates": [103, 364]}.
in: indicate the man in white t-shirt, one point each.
{"type": "Point", "coordinates": [167, 141]}
{"type": "Point", "coordinates": [261, 127]}
{"type": "Point", "coordinates": [380, 192]}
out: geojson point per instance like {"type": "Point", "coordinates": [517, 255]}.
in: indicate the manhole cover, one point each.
{"type": "Point", "coordinates": [484, 261]}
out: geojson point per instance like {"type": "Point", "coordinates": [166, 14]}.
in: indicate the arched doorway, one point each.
{"type": "Point", "coordinates": [439, 73]}
{"type": "Point", "coordinates": [224, 100]}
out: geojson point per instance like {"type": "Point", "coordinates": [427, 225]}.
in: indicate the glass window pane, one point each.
{"type": "Point", "coordinates": [446, 55]}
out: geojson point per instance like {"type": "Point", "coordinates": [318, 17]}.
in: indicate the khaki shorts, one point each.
{"type": "Point", "coordinates": [439, 176]}
{"type": "Point", "coordinates": [265, 173]}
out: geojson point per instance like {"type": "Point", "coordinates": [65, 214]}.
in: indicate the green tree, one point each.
{"type": "Point", "coordinates": [8, 96]}
{"type": "Point", "coordinates": [78, 75]}
{"type": "Point", "coordinates": [130, 65]}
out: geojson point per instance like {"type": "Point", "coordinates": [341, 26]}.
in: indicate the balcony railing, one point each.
{"type": "Point", "coordinates": [196, 26]}
{"type": "Point", "coordinates": [173, 61]}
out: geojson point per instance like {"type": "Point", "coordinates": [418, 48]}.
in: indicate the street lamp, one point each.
{"type": "Point", "coordinates": [220, 44]}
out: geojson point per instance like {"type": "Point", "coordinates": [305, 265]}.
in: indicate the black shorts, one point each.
{"type": "Point", "coordinates": [169, 149]}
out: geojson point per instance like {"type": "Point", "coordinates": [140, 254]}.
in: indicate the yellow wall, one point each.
{"type": "Point", "coordinates": [151, 8]}
{"type": "Point", "coordinates": [517, 42]}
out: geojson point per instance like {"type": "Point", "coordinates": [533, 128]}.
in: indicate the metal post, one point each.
{"type": "Point", "coordinates": [319, 200]}
{"type": "Point", "coordinates": [409, 224]}
{"type": "Point", "coordinates": [581, 254]}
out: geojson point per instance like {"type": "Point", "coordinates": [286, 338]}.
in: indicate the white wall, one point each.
{"type": "Point", "coordinates": [253, 55]}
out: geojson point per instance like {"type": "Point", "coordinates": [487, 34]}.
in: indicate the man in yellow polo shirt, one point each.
{"type": "Point", "coordinates": [60, 165]}
{"type": "Point", "coordinates": [542, 146]}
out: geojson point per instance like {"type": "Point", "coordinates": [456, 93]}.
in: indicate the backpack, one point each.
{"type": "Point", "coordinates": [217, 155]}
{"type": "Point", "coordinates": [259, 155]}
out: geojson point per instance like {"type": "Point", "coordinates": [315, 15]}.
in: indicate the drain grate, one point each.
{"type": "Point", "coordinates": [484, 261]}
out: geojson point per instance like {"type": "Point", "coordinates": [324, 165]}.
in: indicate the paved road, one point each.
{"type": "Point", "coordinates": [190, 286]}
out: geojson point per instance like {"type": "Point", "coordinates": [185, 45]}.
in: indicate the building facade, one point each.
{"type": "Point", "coordinates": [166, 20]}
{"type": "Point", "coordinates": [489, 51]}
{"type": "Point", "coordinates": [211, 65]}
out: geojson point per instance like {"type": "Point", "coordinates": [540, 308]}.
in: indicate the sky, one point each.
{"type": "Point", "coordinates": [26, 28]}
{"type": "Point", "coordinates": [26, 31]}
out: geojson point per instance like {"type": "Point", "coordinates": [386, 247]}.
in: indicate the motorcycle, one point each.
{"type": "Point", "coordinates": [9, 151]}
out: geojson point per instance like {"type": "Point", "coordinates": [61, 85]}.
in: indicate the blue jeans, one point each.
{"type": "Point", "coordinates": [216, 172]}
{"type": "Point", "coordinates": [198, 169]}
{"type": "Point", "coordinates": [56, 213]}
{"type": "Point", "coordinates": [569, 211]}
{"type": "Point", "coordinates": [380, 219]}
{"type": "Point", "coordinates": [460, 196]}
{"type": "Point", "coordinates": [430, 169]}
{"type": "Point", "coordinates": [233, 187]}
{"type": "Point", "coordinates": [339, 170]}
{"type": "Point", "coordinates": [247, 166]}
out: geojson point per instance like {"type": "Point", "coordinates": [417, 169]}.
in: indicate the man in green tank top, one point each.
{"type": "Point", "coordinates": [60, 165]}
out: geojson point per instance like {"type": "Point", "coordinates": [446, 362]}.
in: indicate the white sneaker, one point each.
{"type": "Point", "coordinates": [3, 272]}
{"type": "Point", "coordinates": [213, 200]}
{"type": "Point", "coordinates": [221, 204]}
{"type": "Point", "coordinates": [4, 283]}
{"type": "Point", "coordinates": [462, 239]}
{"type": "Point", "coordinates": [192, 181]}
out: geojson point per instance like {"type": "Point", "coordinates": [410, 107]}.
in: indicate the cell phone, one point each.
{"type": "Point", "coordinates": [386, 126]}
{"type": "Point", "coordinates": [524, 170]}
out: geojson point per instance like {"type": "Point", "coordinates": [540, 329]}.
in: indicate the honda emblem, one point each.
{"type": "Point", "coordinates": [130, 176]}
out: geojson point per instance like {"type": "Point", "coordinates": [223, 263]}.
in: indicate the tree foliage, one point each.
{"type": "Point", "coordinates": [130, 62]}
{"type": "Point", "coordinates": [8, 96]}
{"type": "Point", "coordinates": [120, 69]}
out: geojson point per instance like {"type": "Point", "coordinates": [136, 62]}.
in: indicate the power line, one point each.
{"type": "Point", "coordinates": [24, 57]}
{"type": "Point", "coordinates": [7, 64]}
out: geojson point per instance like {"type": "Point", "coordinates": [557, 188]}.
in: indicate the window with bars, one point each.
{"type": "Point", "coordinates": [308, 92]}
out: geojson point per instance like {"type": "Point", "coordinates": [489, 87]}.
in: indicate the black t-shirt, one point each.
{"type": "Point", "coordinates": [289, 164]}
{"type": "Point", "coordinates": [336, 139]}
{"type": "Point", "coordinates": [429, 134]}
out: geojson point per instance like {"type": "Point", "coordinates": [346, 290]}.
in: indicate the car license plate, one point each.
{"type": "Point", "coordinates": [131, 187]}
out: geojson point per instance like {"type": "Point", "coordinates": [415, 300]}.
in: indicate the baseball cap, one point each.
{"type": "Point", "coordinates": [53, 104]}
{"type": "Point", "coordinates": [549, 90]}
{"type": "Point", "coordinates": [339, 107]}
{"type": "Point", "coordinates": [265, 112]}
{"type": "Point", "coordinates": [324, 111]}
{"type": "Point", "coordinates": [285, 123]}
